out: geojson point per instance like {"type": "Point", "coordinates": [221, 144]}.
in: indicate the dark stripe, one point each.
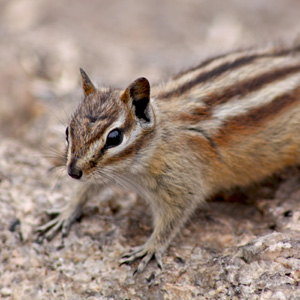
{"type": "Point", "coordinates": [249, 85]}
{"type": "Point", "coordinates": [133, 149]}
{"type": "Point", "coordinates": [208, 75]}
{"type": "Point", "coordinates": [206, 136]}
{"type": "Point", "coordinates": [204, 63]}
{"type": "Point", "coordinates": [101, 128]}
{"type": "Point", "coordinates": [127, 126]}
{"type": "Point", "coordinates": [218, 71]}
{"type": "Point", "coordinates": [257, 117]}
{"type": "Point", "coordinates": [196, 115]}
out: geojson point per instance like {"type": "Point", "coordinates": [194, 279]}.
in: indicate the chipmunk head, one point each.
{"type": "Point", "coordinates": [108, 128]}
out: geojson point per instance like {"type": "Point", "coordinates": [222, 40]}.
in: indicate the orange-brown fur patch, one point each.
{"type": "Point", "coordinates": [253, 120]}
{"type": "Point", "coordinates": [194, 117]}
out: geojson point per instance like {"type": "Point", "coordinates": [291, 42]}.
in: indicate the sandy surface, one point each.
{"type": "Point", "coordinates": [240, 246]}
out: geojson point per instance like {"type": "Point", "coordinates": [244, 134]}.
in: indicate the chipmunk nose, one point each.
{"type": "Point", "coordinates": [74, 172]}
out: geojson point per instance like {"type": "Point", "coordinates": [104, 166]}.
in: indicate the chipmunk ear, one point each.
{"type": "Point", "coordinates": [87, 84]}
{"type": "Point", "coordinates": [138, 94]}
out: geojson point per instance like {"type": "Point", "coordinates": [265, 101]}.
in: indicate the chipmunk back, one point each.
{"type": "Point", "coordinates": [230, 121]}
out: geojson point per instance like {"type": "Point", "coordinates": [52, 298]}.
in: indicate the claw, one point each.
{"type": "Point", "coordinates": [134, 252]}
{"type": "Point", "coordinates": [48, 230]}
{"type": "Point", "coordinates": [145, 254]}
{"type": "Point", "coordinates": [65, 217]}
{"type": "Point", "coordinates": [132, 256]}
{"type": "Point", "coordinates": [53, 211]}
{"type": "Point", "coordinates": [158, 258]}
{"type": "Point", "coordinates": [46, 226]}
{"type": "Point", "coordinates": [144, 262]}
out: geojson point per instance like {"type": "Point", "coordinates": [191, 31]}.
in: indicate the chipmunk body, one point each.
{"type": "Point", "coordinates": [231, 121]}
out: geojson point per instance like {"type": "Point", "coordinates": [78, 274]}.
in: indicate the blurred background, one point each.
{"type": "Point", "coordinates": [43, 43]}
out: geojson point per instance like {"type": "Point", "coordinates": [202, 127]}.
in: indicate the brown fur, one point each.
{"type": "Point", "coordinates": [251, 122]}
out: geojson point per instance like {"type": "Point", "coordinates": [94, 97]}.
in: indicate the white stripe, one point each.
{"type": "Point", "coordinates": [257, 68]}
{"type": "Point", "coordinates": [242, 105]}
{"type": "Point", "coordinates": [238, 106]}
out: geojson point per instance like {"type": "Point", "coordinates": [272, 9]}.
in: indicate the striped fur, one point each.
{"type": "Point", "coordinates": [231, 86]}
{"type": "Point", "coordinates": [230, 121]}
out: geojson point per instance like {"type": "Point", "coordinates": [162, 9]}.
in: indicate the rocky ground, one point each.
{"type": "Point", "coordinates": [242, 245]}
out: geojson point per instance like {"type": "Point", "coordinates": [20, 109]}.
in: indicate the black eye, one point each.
{"type": "Point", "coordinates": [114, 138]}
{"type": "Point", "coordinates": [67, 134]}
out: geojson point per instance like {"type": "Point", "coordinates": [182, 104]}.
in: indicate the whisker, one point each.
{"type": "Point", "coordinates": [57, 157]}
{"type": "Point", "coordinates": [58, 174]}
{"type": "Point", "coordinates": [112, 180]}
{"type": "Point", "coordinates": [131, 185]}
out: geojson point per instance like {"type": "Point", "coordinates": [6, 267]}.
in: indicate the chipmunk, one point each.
{"type": "Point", "coordinates": [231, 121]}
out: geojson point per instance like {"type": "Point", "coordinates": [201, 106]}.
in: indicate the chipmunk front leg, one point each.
{"type": "Point", "coordinates": [66, 215]}
{"type": "Point", "coordinates": [167, 222]}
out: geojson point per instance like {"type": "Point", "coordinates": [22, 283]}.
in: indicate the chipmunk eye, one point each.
{"type": "Point", "coordinates": [114, 138]}
{"type": "Point", "coordinates": [67, 134]}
